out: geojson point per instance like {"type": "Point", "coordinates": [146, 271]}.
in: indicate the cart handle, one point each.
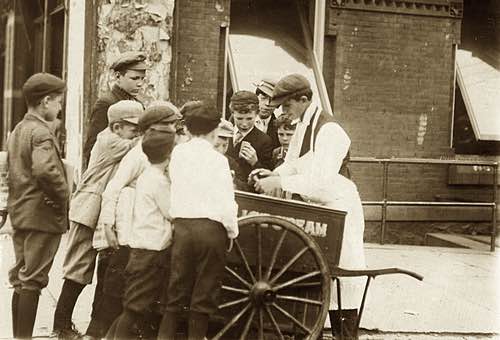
{"type": "Point", "coordinates": [340, 272]}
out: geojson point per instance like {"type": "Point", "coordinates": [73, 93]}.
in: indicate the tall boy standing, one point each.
{"type": "Point", "coordinates": [79, 263]}
{"type": "Point", "coordinates": [38, 198]}
{"type": "Point", "coordinates": [129, 70]}
{"type": "Point", "coordinates": [204, 212]}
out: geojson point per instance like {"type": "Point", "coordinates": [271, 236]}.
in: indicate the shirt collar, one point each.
{"type": "Point", "coordinates": [40, 119]}
{"type": "Point", "coordinates": [308, 114]}
{"type": "Point", "coordinates": [243, 134]}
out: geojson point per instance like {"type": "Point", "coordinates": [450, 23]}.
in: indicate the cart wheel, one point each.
{"type": "Point", "coordinates": [277, 282]}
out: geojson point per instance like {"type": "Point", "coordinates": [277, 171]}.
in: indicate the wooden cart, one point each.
{"type": "Point", "coordinates": [279, 272]}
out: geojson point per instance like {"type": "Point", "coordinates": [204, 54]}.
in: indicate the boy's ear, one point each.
{"type": "Point", "coordinates": [304, 99]}
{"type": "Point", "coordinates": [115, 126]}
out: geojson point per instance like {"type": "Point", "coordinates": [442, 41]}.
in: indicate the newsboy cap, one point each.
{"type": "Point", "coordinates": [287, 87]}
{"type": "Point", "coordinates": [130, 61]}
{"type": "Point", "coordinates": [226, 129]}
{"type": "Point", "coordinates": [40, 85]}
{"type": "Point", "coordinates": [125, 110]}
{"type": "Point", "coordinates": [159, 111]}
{"type": "Point", "coordinates": [244, 97]}
{"type": "Point", "coordinates": [157, 146]}
{"type": "Point", "coordinates": [204, 112]}
{"type": "Point", "coordinates": [265, 86]}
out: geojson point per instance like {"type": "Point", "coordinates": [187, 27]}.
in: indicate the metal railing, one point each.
{"type": "Point", "coordinates": [385, 162]}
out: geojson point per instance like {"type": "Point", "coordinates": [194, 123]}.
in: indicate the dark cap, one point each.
{"type": "Point", "coordinates": [158, 145]}
{"type": "Point", "coordinates": [244, 97]}
{"type": "Point", "coordinates": [159, 111]}
{"type": "Point", "coordinates": [287, 87]}
{"type": "Point", "coordinates": [40, 85]}
{"type": "Point", "coordinates": [265, 86]}
{"type": "Point", "coordinates": [203, 112]}
{"type": "Point", "coordinates": [130, 61]}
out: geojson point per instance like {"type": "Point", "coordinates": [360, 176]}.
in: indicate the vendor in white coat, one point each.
{"type": "Point", "coordinates": [315, 168]}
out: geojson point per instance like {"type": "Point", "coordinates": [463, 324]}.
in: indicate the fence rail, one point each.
{"type": "Point", "coordinates": [384, 203]}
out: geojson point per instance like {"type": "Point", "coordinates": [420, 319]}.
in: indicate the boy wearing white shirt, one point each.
{"type": "Point", "coordinates": [204, 212]}
{"type": "Point", "coordinates": [150, 237]}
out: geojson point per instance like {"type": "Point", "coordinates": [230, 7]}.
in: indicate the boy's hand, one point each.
{"type": "Point", "coordinates": [111, 236]}
{"type": "Point", "coordinates": [248, 153]}
{"type": "Point", "coordinates": [268, 185]}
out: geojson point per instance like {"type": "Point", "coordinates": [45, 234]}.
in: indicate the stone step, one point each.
{"type": "Point", "coordinates": [454, 241]}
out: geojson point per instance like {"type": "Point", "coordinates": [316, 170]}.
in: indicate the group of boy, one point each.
{"type": "Point", "coordinates": [157, 227]}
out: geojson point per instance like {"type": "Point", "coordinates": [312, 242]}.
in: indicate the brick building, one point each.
{"type": "Point", "coordinates": [388, 70]}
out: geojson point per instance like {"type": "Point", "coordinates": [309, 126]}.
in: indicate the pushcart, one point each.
{"type": "Point", "coordinates": [279, 273]}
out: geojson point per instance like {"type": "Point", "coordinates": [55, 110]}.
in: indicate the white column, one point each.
{"type": "Point", "coordinates": [75, 79]}
{"type": "Point", "coordinates": [319, 31]}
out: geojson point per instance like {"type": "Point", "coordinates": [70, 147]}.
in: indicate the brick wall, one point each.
{"type": "Point", "coordinates": [199, 45]}
{"type": "Point", "coordinates": [393, 89]}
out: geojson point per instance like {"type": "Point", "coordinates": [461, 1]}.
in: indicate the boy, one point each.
{"type": "Point", "coordinates": [224, 137]}
{"type": "Point", "coordinates": [251, 148]}
{"type": "Point", "coordinates": [159, 118]}
{"type": "Point", "coordinates": [130, 71]}
{"type": "Point", "coordinates": [285, 130]}
{"type": "Point", "coordinates": [266, 118]}
{"type": "Point", "coordinates": [38, 198]}
{"type": "Point", "coordinates": [150, 237]}
{"type": "Point", "coordinates": [204, 211]}
{"type": "Point", "coordinates": [110, 147]}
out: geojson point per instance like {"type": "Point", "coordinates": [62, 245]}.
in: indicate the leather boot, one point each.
{"type": "Point", "coordinates": [168, 326]}
{"type": "Point", "coordinates": [197, 325]}
{"type": "Point", "coordinates": [15, 303]}
{"type": "Point", "coordinates": [26, 313]}
{"type": "Point", "coordinates": [345, 328]}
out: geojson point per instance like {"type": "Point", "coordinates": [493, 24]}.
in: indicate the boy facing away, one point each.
{"type": "Point", "coordinates": [38, 198]}
{"type": "Point", "coordinates": [151, 235]}
{"type": "Point", "coordinates": [79, 263]}
{"type": "Point", "coordinates": [204, 212]}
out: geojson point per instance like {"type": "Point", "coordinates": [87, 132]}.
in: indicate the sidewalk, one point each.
{"type": "Point", "coordinates": [458, 299]}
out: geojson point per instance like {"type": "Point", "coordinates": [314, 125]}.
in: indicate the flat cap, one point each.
{"type": "Point", "coordinates": [244, 97]}
{"type": "Point", "coordinates": [158, 145]}
{"type": "Point", "coordinates": [130, 61]}
{"type": "Point", "coordinates": [266, 86]}
{"type": "Point", "coordinates": [40, 85]}
{"type": "Point", "coordinates": [226, 129]}
{"type": "Point", "coordinates": [159, 111]}
{"type": "Point", "coordinates": [203, 112]}
{"type": "Point", "coordinates": [125, 110]}
{"type": "Point", "coordinates": [287, 87]}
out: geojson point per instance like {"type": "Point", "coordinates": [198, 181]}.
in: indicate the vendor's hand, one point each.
{"type": "Point", "coordinates": [268, 185]}
{"type": "Point", "coordinates": [111, 236]}
{"type": "Point", "coordinates": [248, 153]}
{"type": "Point", "coordinates": [261, 173]}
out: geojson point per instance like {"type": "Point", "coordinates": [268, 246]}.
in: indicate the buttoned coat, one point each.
{"type": "Point", "coordinates": [262, 144]}
{"type": "Point", "coordinates": [38, 188]}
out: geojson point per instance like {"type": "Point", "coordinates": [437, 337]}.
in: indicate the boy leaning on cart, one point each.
{"type": "Point", "coordinates": [38, 198]}
{"type": "Point", "coordinates": [150, 238]}
{"type": "Point", "coordinates": [204, 211]}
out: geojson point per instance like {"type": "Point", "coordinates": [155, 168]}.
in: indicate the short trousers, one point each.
{"type": "Point", "coordinates": [34, 252]}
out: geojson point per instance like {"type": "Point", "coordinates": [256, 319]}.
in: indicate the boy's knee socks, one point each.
{"type": "Point", "coordinates": [66, 304]}
{"type": "Point", "coordinates": [26, 313]}
{"type": "Point", "coordinates": [15, 302]}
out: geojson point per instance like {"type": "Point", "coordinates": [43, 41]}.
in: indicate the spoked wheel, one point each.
{"type": "Point", "coordinates": [277, 283]}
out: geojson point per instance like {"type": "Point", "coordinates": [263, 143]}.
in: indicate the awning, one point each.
{"type": "Point", "coordinates": [479, 84]}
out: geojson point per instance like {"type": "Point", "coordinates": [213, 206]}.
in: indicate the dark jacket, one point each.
{"type": "Point", "coordinates": [98, 119]}
{"type": "Point", "coordinates": [38, 188]}
{"type": "Point", "coordinates": [272, 132]}
{"type": "Point", "coordinates": [262, 145]}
